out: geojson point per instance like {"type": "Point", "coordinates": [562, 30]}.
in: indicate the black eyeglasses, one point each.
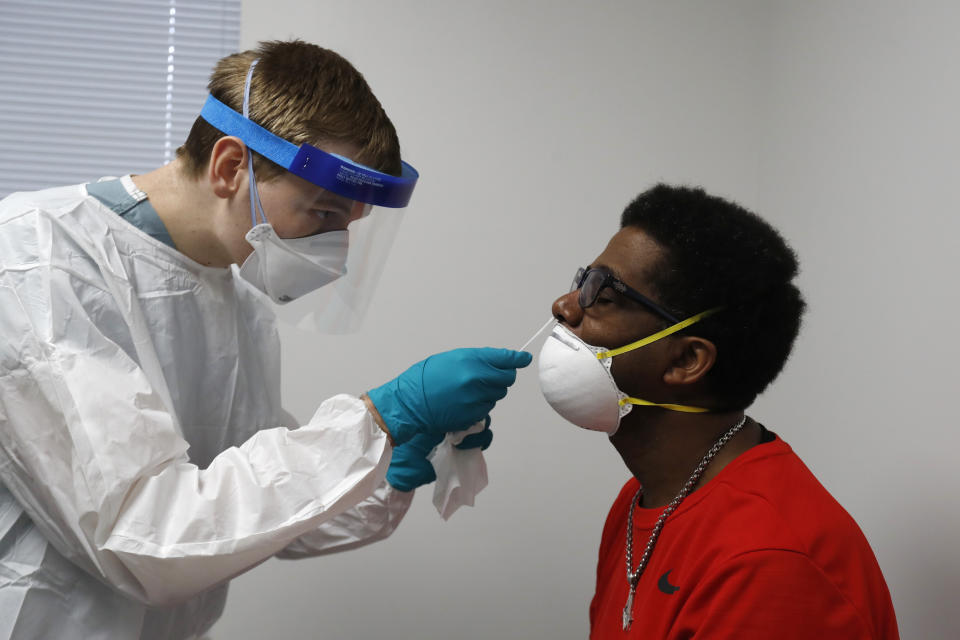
{"type": "Point", "coordinates": [591, 281]}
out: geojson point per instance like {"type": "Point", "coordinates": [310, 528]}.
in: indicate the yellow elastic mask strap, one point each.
{"type": "Point", "coordinates": [680, 326]}
{"type": "Point", "coordinates": [672, 407]}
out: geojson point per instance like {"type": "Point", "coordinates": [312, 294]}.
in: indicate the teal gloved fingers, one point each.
{"type": "Point", "coordinates": [481, 439]}
{"type": "Point", "coordinates": [409, 467]}
{"type": "Point", "coordinates": [448, 391]}
{"type": "Point", "coordinates": [462, 386]}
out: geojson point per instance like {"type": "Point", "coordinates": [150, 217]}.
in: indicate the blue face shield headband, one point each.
{"type": "Point", "coordinates": [327, 170]}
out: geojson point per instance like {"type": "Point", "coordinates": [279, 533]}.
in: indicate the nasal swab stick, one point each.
{"type": "Point", "coordinates": [539, 331]}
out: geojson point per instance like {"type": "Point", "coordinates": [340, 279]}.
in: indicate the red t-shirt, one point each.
{"type": "Point", "coordinates": [760, 551]}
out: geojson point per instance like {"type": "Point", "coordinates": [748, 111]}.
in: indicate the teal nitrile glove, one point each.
{"type": "Point", "coordinates": [448, 391]}
{"type": "Point", "coordinates": [409, 467]}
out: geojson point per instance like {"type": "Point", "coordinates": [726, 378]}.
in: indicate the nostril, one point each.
{"type": "Point", "coordinates": [566, 309]}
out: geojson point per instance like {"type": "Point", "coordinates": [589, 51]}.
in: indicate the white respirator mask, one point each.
{"type": "Point", "coordinates": [577, 381]}
{"type": "Point", "coordinates": [286, 269]}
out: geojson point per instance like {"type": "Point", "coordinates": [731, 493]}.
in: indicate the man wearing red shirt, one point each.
{"type": "Point", "coordinates": [722, 532]}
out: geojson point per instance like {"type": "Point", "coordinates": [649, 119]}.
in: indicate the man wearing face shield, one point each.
{"type": "Point", "coordinates": [145, 458]}
{"type": "Point", "coordinates": [662, 343]}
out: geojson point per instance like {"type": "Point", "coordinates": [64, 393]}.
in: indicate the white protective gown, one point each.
{"type": "Point", "coordinates": [142, 459]}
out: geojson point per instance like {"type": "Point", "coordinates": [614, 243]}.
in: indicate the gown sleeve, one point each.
{"type": "Point", "coordinates": [94, 455]}
{"type": "Point", "coordinates": [372, 520]}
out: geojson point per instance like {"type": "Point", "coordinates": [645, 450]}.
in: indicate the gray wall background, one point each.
{"type": "Point", "coordinates": [533, 124]}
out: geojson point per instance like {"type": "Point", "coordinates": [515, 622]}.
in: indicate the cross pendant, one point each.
{"type": "Point", "coordinates": [628, 610]}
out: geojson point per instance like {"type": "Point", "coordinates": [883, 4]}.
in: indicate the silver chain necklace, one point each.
{"type": "Point", "coordinates": [633, 577]}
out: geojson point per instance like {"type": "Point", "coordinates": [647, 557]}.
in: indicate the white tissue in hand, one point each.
{"type": "Point", "coordinates": [461, 473]}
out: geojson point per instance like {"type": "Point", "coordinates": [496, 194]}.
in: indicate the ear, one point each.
{"type": "Point", "coordinates": [227, 166]}
{"type": "Point", "coordinates": [693, 357]}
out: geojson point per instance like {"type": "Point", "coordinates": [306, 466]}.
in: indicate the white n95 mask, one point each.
{"type": "Point", "coordinates": [286, 269]}
{"type": "Point", "coordinates": [579, 386]}
{"type": "Point", "coordinates": [577, 382]}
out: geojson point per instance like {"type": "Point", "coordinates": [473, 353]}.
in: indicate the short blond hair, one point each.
{"type": "Point", "coordinates": [304, 94]}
